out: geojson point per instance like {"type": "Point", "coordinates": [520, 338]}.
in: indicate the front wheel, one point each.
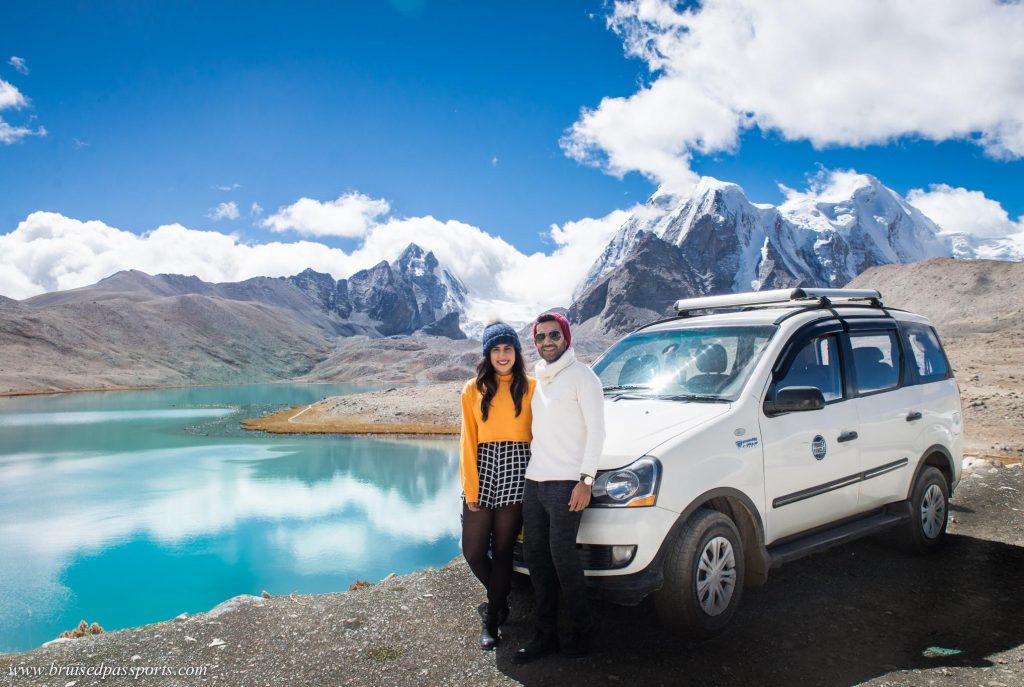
{"type": "Point", "coordinates": [703, 576]}
{"type": "Point", "coordinates": [929, 503]}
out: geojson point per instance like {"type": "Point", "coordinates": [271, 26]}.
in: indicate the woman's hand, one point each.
{"type": "Point", "coordinates": [473, 506]}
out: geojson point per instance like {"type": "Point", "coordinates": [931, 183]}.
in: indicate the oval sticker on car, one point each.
{"type": "Point", "coordinates": [818, 447]}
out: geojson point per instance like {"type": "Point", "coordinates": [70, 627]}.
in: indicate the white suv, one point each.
{"type": "Point", "coordinates": [738, 441]}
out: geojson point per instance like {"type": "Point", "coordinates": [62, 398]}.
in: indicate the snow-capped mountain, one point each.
{"type": "Point", "coordinates": [721, 243]}
{"type": "Point", "coordinates": [437, 291]}
{"type": "Point", "coordinates": [858, 223]}
{"type": "Point", "coordinates": [967, 246]}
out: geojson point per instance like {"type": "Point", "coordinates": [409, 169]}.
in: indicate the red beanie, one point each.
{"type": "Point", "coordinates": [562, 323]}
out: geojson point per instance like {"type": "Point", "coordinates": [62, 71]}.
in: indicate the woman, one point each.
{"type": "Point", "coordinates": [495, 448]}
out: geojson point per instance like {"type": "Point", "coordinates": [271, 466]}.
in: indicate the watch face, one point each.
{"type": "Point", "coordinates": [588, 480]}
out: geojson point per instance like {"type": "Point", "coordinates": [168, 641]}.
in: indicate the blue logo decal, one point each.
{"type": "Point", "coordinates": [746, 443]}
{"type": "Point", "coordinates": [818, 447]}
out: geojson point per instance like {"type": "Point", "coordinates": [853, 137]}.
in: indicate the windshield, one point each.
{"type": "Point", "coordinates": [701, 364]}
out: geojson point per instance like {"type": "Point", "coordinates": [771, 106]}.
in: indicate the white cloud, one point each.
{"type": "Point", "coordinates": [470, 253]}
{"type": "Point", "coordinates": [48, 252]}
{"type": "Point", "coordinates": [224, 211]}
{"type": "Point", "coordinates": [832, 73]}
{"type": "Point", "coordinates": [350, 215]}
{"type": "Point", "coordinates": [255, 210]}
{"type": "Point", "coordinates": [12, 134]}
{"type": "Point", "coordinates": [11, 97]}
{"type": "Point", "coordinates": [228, 187]}
{"type": "Point", "coordinates": [958, 210]}
{"type": "Point", "coordinates": [548, 280]}
{"type": "Point", "coordinates": [19, 64]}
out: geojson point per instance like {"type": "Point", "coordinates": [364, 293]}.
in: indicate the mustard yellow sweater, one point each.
{"type": "Point", "coordinates": [501, 425]}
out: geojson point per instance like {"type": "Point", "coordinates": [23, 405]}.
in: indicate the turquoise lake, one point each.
{"type": "Point", "coordinates": [127, 508]}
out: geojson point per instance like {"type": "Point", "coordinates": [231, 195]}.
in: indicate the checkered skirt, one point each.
{"type": "Point", "coordinates": [501, 466]}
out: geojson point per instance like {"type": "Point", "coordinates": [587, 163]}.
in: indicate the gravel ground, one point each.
{"type": "Point", "coordinates": [991, 391]}
{"type": "Point", "coordinates": [866, 613]}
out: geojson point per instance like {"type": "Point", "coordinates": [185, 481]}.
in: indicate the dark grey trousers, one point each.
{"type": "Point", "coordinates": [549, 546]}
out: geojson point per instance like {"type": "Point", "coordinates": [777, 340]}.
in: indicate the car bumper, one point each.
{"type": "Point", "coordinates": [604, 528]}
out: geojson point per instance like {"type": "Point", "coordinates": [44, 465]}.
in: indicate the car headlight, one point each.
{"type": "Point", "coordinates": [633, 485]}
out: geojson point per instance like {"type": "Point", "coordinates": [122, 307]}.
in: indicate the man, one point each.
{"type": "Point", "coordinates": [568, 433]}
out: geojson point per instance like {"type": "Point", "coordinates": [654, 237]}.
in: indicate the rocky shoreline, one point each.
{"type": "Point", "coordinates": [421, 409]}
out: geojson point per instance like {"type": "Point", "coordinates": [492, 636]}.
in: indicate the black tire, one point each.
{"type": "Point", "coordinates": [929, 512]}
{"type": "Point", "coordinates": [682, 606]}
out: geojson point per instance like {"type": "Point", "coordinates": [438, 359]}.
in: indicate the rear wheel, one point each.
{"type": "Point", "coordinates": [703, 576]}
{"type": "Point", "coordinates": [929, 502]}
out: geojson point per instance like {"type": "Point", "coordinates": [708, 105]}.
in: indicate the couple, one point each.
{"type": "Point", "coordinates": [529, 453]}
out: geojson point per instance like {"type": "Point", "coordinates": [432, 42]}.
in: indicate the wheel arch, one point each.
{"type": "Point", "coordinates": [937, 456]}
{"type": "Point", "coordinates": [744, 514]}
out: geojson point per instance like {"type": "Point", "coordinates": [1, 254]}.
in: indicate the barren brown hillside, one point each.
{"type": "Point", "coordinates": [977, 306]}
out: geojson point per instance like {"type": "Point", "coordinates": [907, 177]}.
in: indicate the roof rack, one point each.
{"type": "Point", "coordinates": [817, 297]}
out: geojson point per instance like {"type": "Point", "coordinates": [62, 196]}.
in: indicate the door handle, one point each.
{"type": "Point", "coordinates": [913, 416]}
{"type": "Point", "coordinates": [847, 436]}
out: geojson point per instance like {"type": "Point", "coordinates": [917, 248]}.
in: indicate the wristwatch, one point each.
{"type": "Point", "coordinates": [587, 479]}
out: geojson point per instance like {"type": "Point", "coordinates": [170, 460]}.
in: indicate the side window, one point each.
{"type": "Point", "coordinates": [876, 360]}
{"type": "Point", "coordinates": [925, 353]}
{"type": "Point", "coordinates": [817, 365]}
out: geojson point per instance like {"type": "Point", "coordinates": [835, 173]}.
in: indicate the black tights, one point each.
{"type": "Point", "coordinates": [495, 529]}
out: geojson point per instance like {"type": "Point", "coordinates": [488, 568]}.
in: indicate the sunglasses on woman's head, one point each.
{"type": "Point", "coordinates": [540, 336]}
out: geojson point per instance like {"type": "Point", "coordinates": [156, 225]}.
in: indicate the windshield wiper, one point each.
{"type": "Point", "coordinates": [695, 398]}
{"type": "Point", "coordinates": [625, 387]}
{"type": "Point", "coordinates": [621, 391]}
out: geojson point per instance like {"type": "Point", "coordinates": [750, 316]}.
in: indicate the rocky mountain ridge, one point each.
{"type": "Point", "coordinates": [136, 329]}
{"type": "Point", "coordinates": [409, 295]}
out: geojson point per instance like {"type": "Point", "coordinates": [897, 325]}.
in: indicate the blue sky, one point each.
{"type": "Point", "coordinates": [506, 118]}
{"type": "Point", "coordinates": [311, 99]}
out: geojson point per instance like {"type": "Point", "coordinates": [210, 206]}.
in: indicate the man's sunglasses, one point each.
{"type": "Point", "coordinates": [554, 336]}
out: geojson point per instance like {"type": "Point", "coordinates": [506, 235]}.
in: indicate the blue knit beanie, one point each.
{"type": "Point", "coordinates": [499, 333]}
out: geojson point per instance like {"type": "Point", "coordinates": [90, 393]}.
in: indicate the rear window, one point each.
{"type": "Point", "coordinates": [925, 352]}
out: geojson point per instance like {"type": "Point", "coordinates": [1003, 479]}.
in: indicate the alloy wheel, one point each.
{"type": "Point", "coordinates": [933, 511]}
{"type": "Point", "coordinates": [716, 576]}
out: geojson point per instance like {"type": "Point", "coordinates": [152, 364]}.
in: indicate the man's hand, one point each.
{"type": "Point", "coordinates": [473, 506]}
{"type": "Point", "coordinates": [580, 497]}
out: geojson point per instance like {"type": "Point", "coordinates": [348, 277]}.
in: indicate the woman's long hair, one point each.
{"type": "Point", "coordinates": [487, 383]}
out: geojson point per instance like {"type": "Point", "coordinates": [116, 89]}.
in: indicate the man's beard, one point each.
{"type": "Point", "coordinates": [557, 354]}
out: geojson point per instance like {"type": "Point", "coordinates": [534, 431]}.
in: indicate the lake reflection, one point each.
{"type": "Point", "coordinates": [144, 511]}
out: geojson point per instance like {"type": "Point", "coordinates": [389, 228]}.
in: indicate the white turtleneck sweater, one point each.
{"type": "Point", "coordinates": [568, 420]}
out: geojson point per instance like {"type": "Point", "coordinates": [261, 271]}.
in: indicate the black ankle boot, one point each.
{"type": "Point", "coordinates": [541, 645]}
{"type": "Point", "coordinates": [490, 635]}
{"type": "Point", "coordinates": [581, 641]}
{"type": "Point", "coordinates": [503, 613]}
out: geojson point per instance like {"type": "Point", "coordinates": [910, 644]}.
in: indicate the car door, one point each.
{"type": "Point", "coordinates": [889, 410]}
{"type": "Point", "coordinates": [811, 459]}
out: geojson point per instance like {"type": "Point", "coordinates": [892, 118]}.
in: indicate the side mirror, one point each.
{"type": "Point", "coordinates": [794, 399]}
